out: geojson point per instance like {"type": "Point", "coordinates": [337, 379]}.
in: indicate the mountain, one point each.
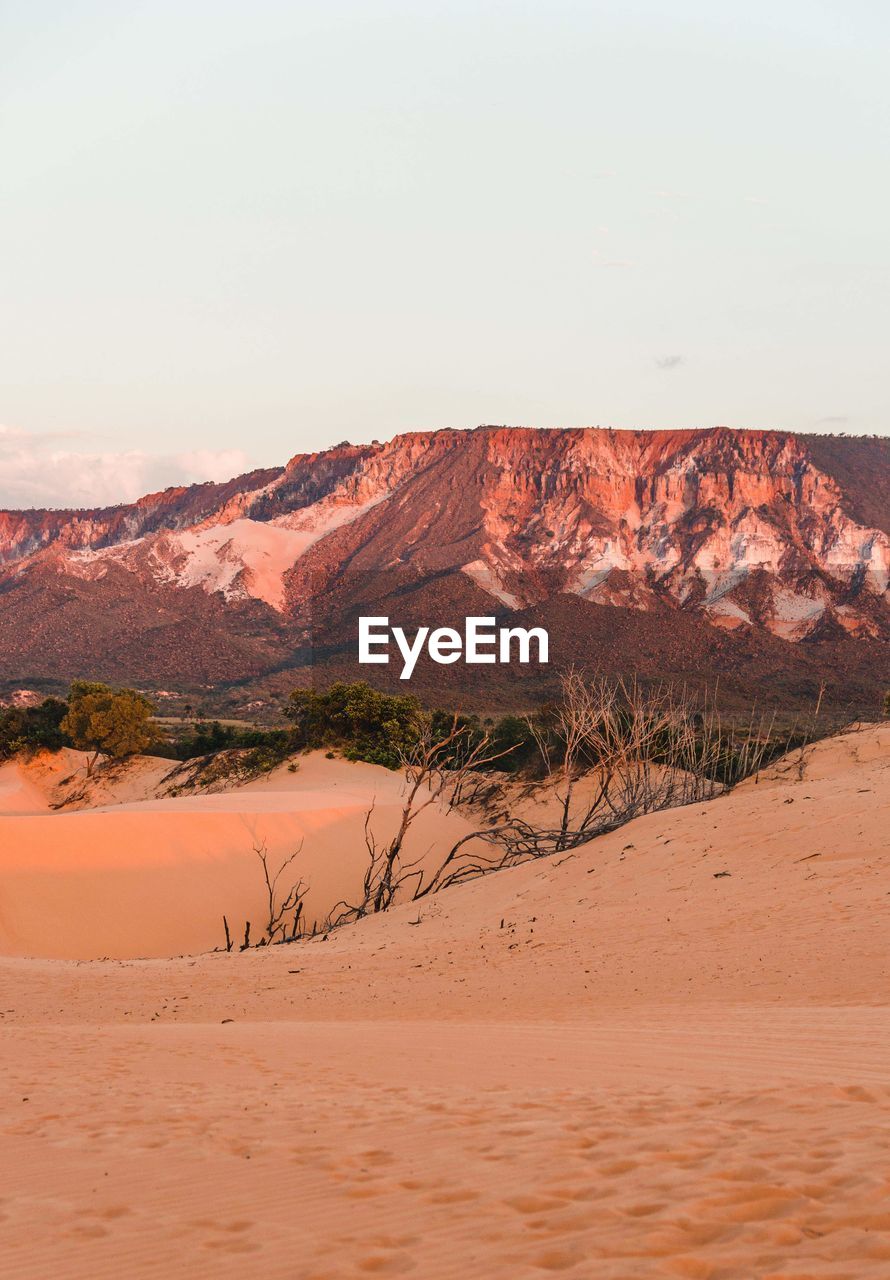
{"type": "Point", "coordinates": [758, 557]}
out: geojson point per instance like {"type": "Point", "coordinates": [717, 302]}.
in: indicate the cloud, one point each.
{"type": "Point", "coordinates": [833, 420]}
{"type": "Point", "coordinates": [669, 362]}
{"type": "Point", "coordinates": [43, 470]}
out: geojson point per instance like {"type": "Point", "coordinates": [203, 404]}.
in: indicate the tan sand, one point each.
{"type": "Point", "coordinates": [615, 1064]}
{"type": "Point", "coordinates": [126, 870]}
{"type": "Point", "coordinates": [61, 780]}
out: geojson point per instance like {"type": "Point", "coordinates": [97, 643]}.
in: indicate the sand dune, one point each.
{"type": "Point", "coordinates": [127, 870]}
{"type": "Point", "coordinates": [616, 1064]}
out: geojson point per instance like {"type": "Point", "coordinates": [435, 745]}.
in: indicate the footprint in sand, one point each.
{"type": "Point", "coordinates": [460, 1195]}
{"type": "Point", "coordinates": [558, 1259]}
{"type": "Point", "coordinates": [529, 1204]}
{"type": "Point", "coordinates": [394, 1264]}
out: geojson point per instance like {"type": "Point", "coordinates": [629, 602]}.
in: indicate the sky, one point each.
{"type": "Point", "coordinates": [233, 232]}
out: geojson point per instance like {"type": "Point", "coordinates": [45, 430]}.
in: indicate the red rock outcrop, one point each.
{"type": "Point", "coordinates": [749, 531]}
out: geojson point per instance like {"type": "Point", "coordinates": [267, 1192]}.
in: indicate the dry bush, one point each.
{"type": "Point", "coordinates": [281, 905]}
{"type": "Point", "coordinates": [643, 749]}
{"type": "Point", "coordinates": [437, 770]}
{"type": "Point", "coordinates": [285, 921]}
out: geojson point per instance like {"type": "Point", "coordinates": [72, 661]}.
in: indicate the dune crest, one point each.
{"type": "Point", "coordinates": [124, 868]}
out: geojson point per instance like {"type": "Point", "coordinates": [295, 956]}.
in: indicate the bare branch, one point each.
{"type": "Point", "coordinates": [280, 906]}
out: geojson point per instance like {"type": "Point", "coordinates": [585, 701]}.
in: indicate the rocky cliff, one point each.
{"type": "Point", "coordinates": [745, 532]}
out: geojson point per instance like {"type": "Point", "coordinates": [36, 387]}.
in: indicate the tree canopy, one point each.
{"type": "Point", "coordinates": [29, 729]}
{"type": "Point", "coordinates": [365, 723]}
{"type": "Point", "coordinates": [113, 722]}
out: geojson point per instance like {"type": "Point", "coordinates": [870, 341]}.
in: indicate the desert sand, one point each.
{"type": "Point", "coordinates": [124, 869]}
{"type": "Point", "coordinates": [666, 1054]}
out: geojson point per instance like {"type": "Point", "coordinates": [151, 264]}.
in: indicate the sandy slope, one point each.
{"type": "Point", "coordinates": [125, 869]}
{"type": "Point", "coordinates": [617, 1064]}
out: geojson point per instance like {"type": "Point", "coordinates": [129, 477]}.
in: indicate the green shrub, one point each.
{"type": "Point", "coordinates": [364, 723]}
{"type": "Point", "coordinates": [29, 729]}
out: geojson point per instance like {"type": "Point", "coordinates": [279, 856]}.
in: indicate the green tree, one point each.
{"type": "Point", "coordinates": [366, 724]}
{"type": "Point", "coordinates": [114, 722]}
{"type": "Point", "coordinates": [29, 729]}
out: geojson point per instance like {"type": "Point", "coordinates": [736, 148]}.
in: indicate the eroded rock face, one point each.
{"type": "Point", "coordinates": [747, 529]}
{"type": "Point", "coordinates": [742, 525]}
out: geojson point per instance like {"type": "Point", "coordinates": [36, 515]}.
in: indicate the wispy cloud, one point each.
{"type": "Point", "coordinates": [43, 470]}
{"type": "Point", "coordinates": [669, 362]}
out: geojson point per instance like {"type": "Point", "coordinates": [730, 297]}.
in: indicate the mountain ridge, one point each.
{"type": "Point", "coordinates": [746, 531]}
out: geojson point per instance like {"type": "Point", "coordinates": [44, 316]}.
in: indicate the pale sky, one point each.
{"type": "Point", "coordinates": [232, 232]}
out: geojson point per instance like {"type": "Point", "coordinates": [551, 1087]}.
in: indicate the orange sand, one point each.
{"type": "Point", "coordinates": [649, 1069]}
{"type": "Point", "coordinates": [141, 873]}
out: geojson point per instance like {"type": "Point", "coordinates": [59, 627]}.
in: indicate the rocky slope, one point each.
{"type": "Point", "coordinates": [751, 542]}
